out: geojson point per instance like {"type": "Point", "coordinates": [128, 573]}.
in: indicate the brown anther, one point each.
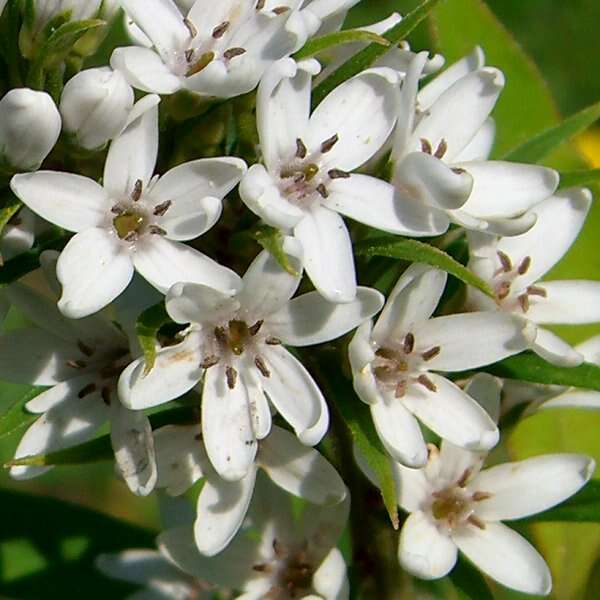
{"type": "Point", "coordinates": [209, 361]}
{"type": "Point", "coordinates": [400, 390]}
{"type": "Point", "coordinates": [322, 191]}
{"type": "Point", "coordinates": [131, 236]}
{"type": "Point", "coordinates": [261, 568]}
{"type": "Point", "coordinates": [301, 150]}
{"type": "Point", "coordinates": [503, 290]}
{"type": "Point", "coordinates": [117, 210]}
{"type": "Point", "coordinates": [189, 54]}
{"type": "Point", "coordinates": [262, 366]}
{"type": "Point", "coordinates": [426, 146]}
{"type": "Point", "coordinates": [190, 27]}
{"type": "Point", "coordinates": [534, 290]}
{"type": "Point", "coordinates": [476, 521]}
{"type": "Point", "coordinates": [329, 143]}
{"type": "Point", "coordinates": [87, 390]}
{"type": "Point", "coordinates": [76, 364]}
{"type": "Point", "coordinates": [105, 393]}
{"type": "Point", "coordinates": [272, 341]}
{"type": "Point", "coordinates": [219, 30]}
{"type": "Point", "coordinates": [408, 345]}
{"type": "Point", "coordinates": [204, 60]}
{"type": "Point", "coordinates": [427, 383]}
{"type": "Point", "coordinates": [136, 194]}
{"type": "Point", "coordinates": [338, 174]}
{"type": "Point", "coordinates": [441, 149]}
{"type": "Point", "coordinates": [231, 375]}
{"type": "Point", "coordinates": [278, 548]}
{"type": "Point", "coordinates": [85, 349]}
{"type": "Point", "coordinates": [524, 302]}
{"type": "Point", "coordinates": [233, 52]}
{"type": "Point", "coordinates": [280, 10]}
{"type": "Point", "coordinates": [524, 266]}
{"type": "Point", "coordinates": [110, 371]}
{"type": "Point", "coordinates": [505, 261]}
{"type": "Point", "coordinates": [221, 335]}
{"type": "Point", "coordinates": [155, 229]}
{"type": "Point", "coordinates": [479, 496]}
{"type": "Point", "coordinates": [386, 353]}
{"type": "Point", "coordinates": [431, 353]}
{"type": "Point", "coordinates": [462, 480]}
{"type": "Point", "coordinates": [298, 177]}
{"type": "Point", "coordinates": [458, 170]}
{"type": "Point", "coordinates": [162, 208]}
{"type": "Point", "coordinates": [260, 4]}
{"type": "Point", "coordinates": [256, 327]}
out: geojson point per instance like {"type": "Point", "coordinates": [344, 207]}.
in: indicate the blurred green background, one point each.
{"type": "Point", "coordinates": [43, 544]}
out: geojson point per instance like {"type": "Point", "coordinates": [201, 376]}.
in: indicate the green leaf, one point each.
{"type": "Point", "coordinates": [9, 209]}
{"type": "Point", "coordinates": [535, 149]}
{"type": "Point", "coordinates": [146, 328]}
{"type": "Point", "coordinates": [469, 581]}
{"type": "Point", "coordinates": [528, 366]}
{"type": "Point", "coordinates": [331, 40]}
{"type": "Point", "coordinates": [415, 251]}
{"type": "Point", "coordinates": [373, 52]}
{"type": "Point", "coordinates": [582, 177]}
{"type": "Point", "coordinates": [16, 416]}
{"type": "Point", "coordinates": [271, 239]}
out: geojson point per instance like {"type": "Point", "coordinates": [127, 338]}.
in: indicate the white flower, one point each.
{"type": "Point", "coordinates": [234, 343]}
{"type": "Point", "coordinates": [133, 220]}
{"type": "Point", "coordinates": [280, 557]}
{"type": "Point", "coordinates": [219, 49]}
{"type": "Point", "coordinates": [222, 505]}
{"type": "Point", "coordinates": [442, 141]}
{"type": "Point", "coordinates": [456, 506]}
{"type": "Point", "coordinates": [305, 184]}
{"type": "Point", "coordinates": [95, 105]}
{"type": "Point", "coordinates": [19, 234]}
{"type": "Point", "coordinates": [396, 363]}
{"type": "Point", "coordinates": [29, 127]}
{"type": "Point", "coordinates": [80, 361]}
{"type": "Point", "coordinates": [514, 265]}
{"type": "Point", "coordinates": [325, 16]}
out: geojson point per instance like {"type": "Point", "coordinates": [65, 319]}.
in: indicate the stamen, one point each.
{"type": "Point", "coordinates": [189, 54]}
{"type": "Point", "coordinates": [400, 391]}
{"type": "Point", "coordinates": [231, 375]}
{"type": "Point", "coordinates": [322, 191]}
{"type": "Point", "coordinates": [338, 174]}
{"type": "Point", "coordinates": [408, 345]}
{"type": "Point", "coordinates": [524, 266]}
{"type": "Point", "coordinates": [262, 568]}
{"type": "Point", "coordinates": [87, 390]}
{"type": "Point", "coordinates": [479, 496]}
{"type": "Point", "coordinates": [462, 480]}
{"type": "Point", "coordinates": [155, 229]}
{"type": "Point", "coordinates": [280, 10]}
{"type": "Point", "coordinates": [278, 548]}
{"type": "Point", "coordinates": [503, 290]}
{"type": "Point", "coordinates": [209, 361]}
{"type": "Point", "coordinates": [272, 341]}
{"type": "Point", "coordinates": [476, 521]}
{"type": "Point", "coordinates": [431, 353]}
{"type": "Point", "coordinates": [117, 210]}
{"type": "Point", "coordinates": [76, 364]}
{"type": "Point", "coordinates": [426, 146]}
{"type": "Point", "coordinates": [260, 4]}
{"type": "Point", "coordinates": [219, 30]}
{"type": "Point", "coordinates": [524, 302]}
{"type": "Point", "coordinates": [534, 290]}
{"type": "Point", "coordinates": [221, 335]}
{"type": "Point", "coordinates": [458, 170]}
{"type": "Point", "coordinates": [136, 194]}
{"type": "Point", "coordinates": [262, 367]}
{"type": "Point", "coordinates": [301, 150]}
{"type": "Point", "coordinates": [190, 27]}
{"type": "Point", "coordinates": [204, 60]}
{"type": "Point", "coordinates": [105, 393]}
{"type": "Point", "coordinates": [256, 327]}
{"type": "Point", "coordinates": [161, 209]}
{"type": "Point", "coordinates": [233, 52]}
{"type": "Point", "coordinates": [386, 353]}
{"type": "Point", "coordinates": [131, 236]}
{"type": "Point", "coordinates": [329, 143]}
{"type": "Point", "coordinates": [85, 349]}
{"type": "Point", "coordinates": [441, 149]}
{"type": "Point", "coordinates": [505, 261]}
{"type": "Point", "coordinates": [427, 383]}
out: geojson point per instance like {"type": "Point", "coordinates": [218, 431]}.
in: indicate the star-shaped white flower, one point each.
{"type": "Point", "coordinates": [442, 141]}
{"type": "Point", "coordinates": [133, 220]}
{"type": "Point", "coordinates": [234, 344]}
{"type": "Point", "coordinates": [219, 49]}
{"type": "Point", "coordinates": [80, 362]}
{"type": "Point", "coordinates": [514, 265]}
{"type": "Point", "coordinates": [454, 505]}
{"type": "Point", "coordinates": [396, 366]}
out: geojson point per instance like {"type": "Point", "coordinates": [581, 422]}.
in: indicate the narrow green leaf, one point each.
{"type": "Point", "coordinates": [16, 416]}
{"type": "Point", "coordinates": [9, 209]}
{"type": "Point", "coordinates": [271, 239]}
{"type": "Point", "coordinates": [579, 178]}
{"type": "Point", "coordinates": [535, 149]}
{"type": "Point", "coordinates": [582, 507]}
{"type": "Point", "coordinates": [469, 581]}
{"type": "Point", "coordinates": [373, 52]}
{"type": "Point", "coordinates": [146, 328]}
{"type": "Point", "coordinates": [415, 251]}
{"type": "Point", "coordinates": [338, 38]}
{"type": "Point", "coordinates": [62, 39]}
{"type": "Point", "coordinates": [528, 366]}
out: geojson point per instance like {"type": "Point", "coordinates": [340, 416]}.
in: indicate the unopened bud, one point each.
{"type": "Point", "coordinates": [95, 105]}
{"type": "Point", "coordinates": [29, 128]}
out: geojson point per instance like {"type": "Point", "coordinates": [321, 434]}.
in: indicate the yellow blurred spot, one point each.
{"type": "Point", "coordinates": [589, 145]}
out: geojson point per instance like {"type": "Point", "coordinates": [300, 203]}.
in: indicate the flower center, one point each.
{"type": "Point", "coordinates": [129, 224]}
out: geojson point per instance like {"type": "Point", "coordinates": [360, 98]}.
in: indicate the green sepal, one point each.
{"type": "Point", "coordinates": [146, 328]}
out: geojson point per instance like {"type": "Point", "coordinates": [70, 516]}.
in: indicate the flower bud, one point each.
{"type": "Point", "coordinates": [95, 105]}
{"type": "Point", "coordinates": [29, 128]}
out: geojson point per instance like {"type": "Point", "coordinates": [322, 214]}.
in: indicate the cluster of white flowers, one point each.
{"type": "Point", "coordinates": [225, 349]}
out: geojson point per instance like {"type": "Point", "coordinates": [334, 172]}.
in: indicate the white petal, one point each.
{"type": "Point", "coordinates": [480, 147]}
{"type": "Point", "coordinates": [486, 390]}
{"type": "Point", "coordinates": [460, 111]}
{"type": "Point", "coordinates": [506, 557]}
{"type": "Point", "coordinates": [328, 257]}
{"type": "Point", "coordinates": [310, 319]}
{"type": "Point", "coordinates": [504, 189]}
{"type": "Point", "coordinates": [527, 487]}
{"type": "Point", "coordinates": [555, 350]}
{"type": "Point", "coordinates": [590, 349]}
{"type": "Point", "coordinates": [494, 225]}
{"type": "Point", "coordinates": [133, 445]}
{"type": "Point", "coordinates": [260, 410]}
{"type": "Point", "coordinates": [70, 201]}
{"type": "Point", "coordinates": [376, 203]}
{"type": "Point", "coordinates": [361, 354]}
{"type": "Point", "coordinates": [423, 550]}
{"type": "Point", "coordinates": [176, 370]}
{"type": "Point", "coordinates": [300, 470]}
{"type": "Point", "coordinates": [222, 507]}
{"type": "Point", "coordinates": [573, 302]}
{"type": "Point", "coordinates": [454, 461]}
{"type": "Point", "coordinates": [400, 433]}
{"type": "Point", "coordinates": [164, 263]}
{"type": "Point", "coordinates": [452, 414]}
{"type": "Point", "coordinates": [194, 303]}
{"type": "Point", "coordinates": [498, 335]}
{"type": "Point", "coordinates": [295, 395]}
{"type": "Point", "coordinates": [412, 487]}
{"type": "Point", "coordinates": [330, 580]}
{"type": "Point", "coordinates": [362, 112]}
{"type": "Point", "coordinates": [227, 425]}
{"type": "Point", "coordinates": [94, 268]}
